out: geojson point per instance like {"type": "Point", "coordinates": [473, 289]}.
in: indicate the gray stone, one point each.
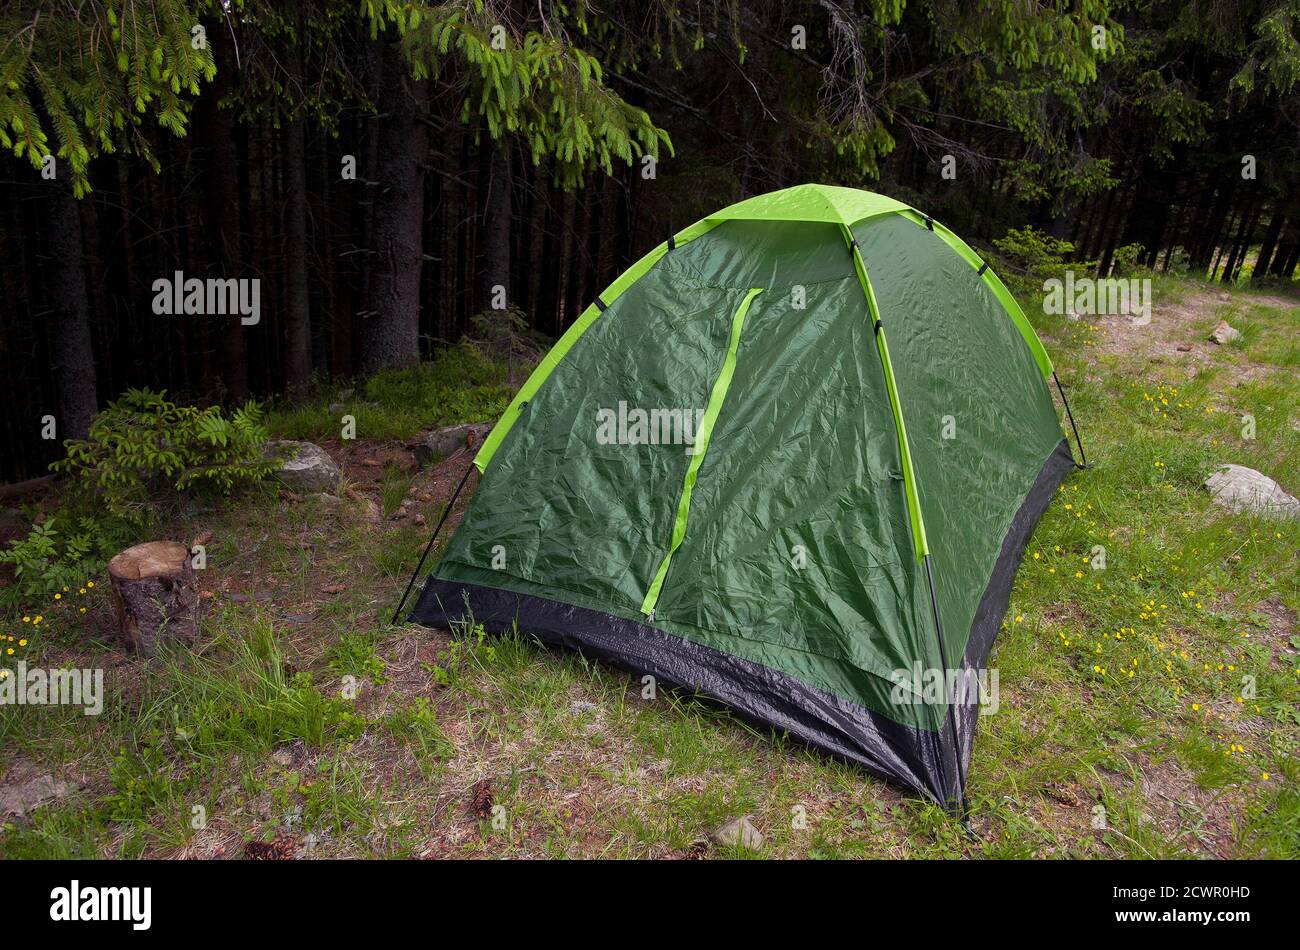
{"type": "Point", "coordinates": [305, 468]}
{"type": "Point", "coordinates": [1223, 333]}
{"type": "Point", "coordinates": [1244, 489]}
{"type": "Point", "coordinates": [370, 510]}
{"type": "Point", "coordinates": [739, 832]}
{"type": "Point", "coordinates": [442, 442]}
{"type": "Point", "coordinates": [21, 797]}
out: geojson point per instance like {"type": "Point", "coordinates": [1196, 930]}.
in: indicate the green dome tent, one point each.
{"type": "Point", "coordinates": [790, 459]}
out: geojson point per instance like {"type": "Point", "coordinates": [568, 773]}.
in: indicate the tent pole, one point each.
{"type": "Point", "coordinates": [1083, 459]}
{"type": "Point", "coordinates": [428, 547]}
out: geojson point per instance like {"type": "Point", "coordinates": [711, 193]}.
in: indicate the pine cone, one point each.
{"type": "Point", "coordinates": [281, 849]}
{"type": "Point", "coordinates": [480, 801]}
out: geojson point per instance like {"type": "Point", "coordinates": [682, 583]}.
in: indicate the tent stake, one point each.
{"type": "Point", "coordinates": [1083, 459]}
{"type": "Point", "coordinates": [429, 547]}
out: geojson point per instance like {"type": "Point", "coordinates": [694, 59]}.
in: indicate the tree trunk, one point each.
{"type": "Point", "coordinates": [1247, 239]}
{"type": "Point", "coordinates": [155, 594]}
{"type": "Point", "coordinates": [1269, 244]}
{"type": "Point", "coordinates": [74, 360]}
{"type": "Point", "coordinates": [297, 331]}
{"type": "Point", "coordinates": [607, 245]}
{"type": "Point", "coordinates": [494, 235]}
{"type": "Point", "coordinates": [1289, 262]}
{"type": "Point", "coordinates": [224, 230]}
{"type": "Point", "coordinates": [564, 298]}
{"type": "Point", "coordinates": [1290, 240]}
{"type": "Point", "coordinates": [392, 331]}
{"type": "Point", "coordinates": [1219, 216]}
{"type": "Point", "coordinates": [1237, 251]}
{"type": "Point", "coordinates": [536, 241]}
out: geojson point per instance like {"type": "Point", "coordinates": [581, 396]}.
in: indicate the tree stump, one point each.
{"type": "Point", "coordinates": [155, 594]}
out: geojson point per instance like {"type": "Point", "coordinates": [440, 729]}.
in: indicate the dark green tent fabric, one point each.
{"type": "Point", "coordinates": [707, 483]}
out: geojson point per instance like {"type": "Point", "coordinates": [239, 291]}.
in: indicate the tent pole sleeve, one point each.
{"type": "Point", "coordinates": [1083, 459]}
{"type": "Point", "coordinates": [919, 540]}
{"type": "Point", "coordinates": [429, 547]}
{"type": "Point", "coordinates": [701, 446]}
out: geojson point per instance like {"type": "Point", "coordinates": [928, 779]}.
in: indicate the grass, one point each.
{"type": "Point", "coordinates": [1149, 667]}
{"type": "Point", "coordinates": [460, 384]}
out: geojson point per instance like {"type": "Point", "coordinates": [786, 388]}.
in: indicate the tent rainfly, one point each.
{"type": "Point", "coordinates": [790, 459]}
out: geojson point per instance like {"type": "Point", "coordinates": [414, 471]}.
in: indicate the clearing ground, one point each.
{"type": "Point", "coordinates": [1150, 701]}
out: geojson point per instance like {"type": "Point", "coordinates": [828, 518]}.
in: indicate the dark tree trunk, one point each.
{"type": "Point", "coordinates": [1237, 250]}
{"type": "Point", "coordinates": [1269, 244]}
{"type": "Point", "coordinates": [564, 298]}
{"type": "Point", "coordinates": [582, 251]}
{"type": "Point", "coordinates": [607, 245]}
{"type": "Point", "coordinates": [1148, 214]}
{"type": "Point", "coordinates": [494, 235]}
{"type": "Point", "coordinates": [224, 229]}
{"type": "Point", "coordinates": [297, 312]}
{"type": "Point", "coordinates": [1247, 239]}
{"type": "Point", "coordinates": [1219, 215]}
{"type": "Point", "coordinates": [74, 360]}
{"type": "Point", "coordinates": [1292, 258]}
{"type": "Point", "coordinates": [536, 239]}
{"type": "Point", "coordinates": [1290, 241]}
{"type": "Point", "coordinates": [392, 331]}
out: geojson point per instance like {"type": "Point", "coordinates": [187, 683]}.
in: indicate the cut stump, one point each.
{"type": "Point", "coordinates": [155, 594]}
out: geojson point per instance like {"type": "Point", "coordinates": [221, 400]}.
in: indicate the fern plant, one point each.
{"type": "Point", "coordinates": [142, 443]}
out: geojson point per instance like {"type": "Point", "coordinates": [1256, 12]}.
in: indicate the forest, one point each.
{"type": "Point", "coordinates": [397, 176]}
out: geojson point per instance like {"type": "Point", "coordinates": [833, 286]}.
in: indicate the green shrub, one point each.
{"type": "Point", "coordinates": [1034, 252]}
{"type": "Point", "coordinates": [1125, 259]}
{"type": "Point", "coordinates": [47, 562]}
{"type": "Point", "coordinates": [142, 443]}
{"type": "Point", "coordinates": [461, 384]}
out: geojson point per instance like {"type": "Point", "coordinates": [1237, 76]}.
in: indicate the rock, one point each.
{"type": "Point", "coordinates": [443, 442]}
{"type": "Point", "coordinates": [305, 468]}
{"type": "Point", "coordinates": [155, 594]}
{"type": "Point", "coordinates": [1244, 489]}
{"type": "Point", "coordinates": [290, 754]}
{"type": "Point", "coordinates": [19, 797]}
{"type": "Point", "coordinates": [1184, 348]}
{"type": "Point", "coordinates": [1223, 333]}
{"type": "Point", "coordinates": [369, 509]}
{"type": "Point", "coordinates": [739, 832]}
